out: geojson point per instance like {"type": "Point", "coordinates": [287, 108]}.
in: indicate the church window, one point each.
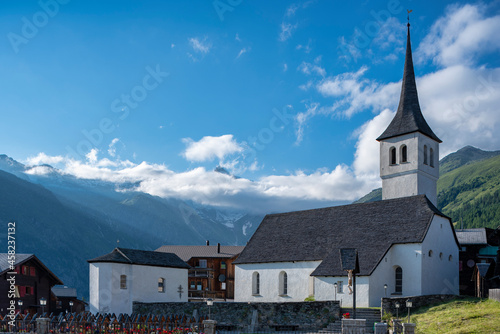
{"type": "Point", "coordinates": [123, 281]}
{"type": "Point", "coordinates": [430, 253]}
{"type": "Point", "coordinates": [441, 256]}
{"type": "Point", "coordinates": [431, 157]}
{"type": "Point", "coordinates": [256, 283]}
{"type": "Point", "coordinates": [404, 153]}
{"type": "Point", "coordinates": [399, 280]}
{"type": "Point", "coordinates": [161, 284]}
{"type": "Point", "coordinates": [283, 286]}
{"type": "Point", "coordinates": [450, 258]}
{"type": "Point", "coordinates": [425, 155]}
{"type": "Point", "coordinates": [392, 154]}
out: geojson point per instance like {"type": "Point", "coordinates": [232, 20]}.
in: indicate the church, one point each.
{"type": "Point", "coordinates": [405, 245]}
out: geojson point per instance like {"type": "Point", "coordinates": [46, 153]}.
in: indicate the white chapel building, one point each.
{"type": "Point", "coordinates": [405, 245]}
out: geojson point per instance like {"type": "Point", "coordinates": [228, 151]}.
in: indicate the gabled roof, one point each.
{"type": "Point", "coordinates": [141, 257]}
{"type": "Point", "coordinates": [21, 259]}
{"type": "Point", "coordinates": [317, 235]}
{"type": "Point", "coordinates": [188, 252]}
{"type": "Point", "coordinates": [408, 118]}
{"type": "Point", "coordinates": [472, 236]}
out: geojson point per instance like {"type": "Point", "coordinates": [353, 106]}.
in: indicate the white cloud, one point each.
{"type": "Point", "coordinates": [308, 68]}
{"type": "Point", "coordinates": [208, 148]}
{"type": "Point", "coordinates": [285, 67]}
{"type": "Point", "coordinates": [459, 36]}
{"type": "Point", "coordinates": [286, 31]}
{"type": "Point", "coordinates": [92, 155]}
{"type": "Point", "coordinates": [112, 147]}
{"type": "Point", "coordinates": [43, 158]}
{"type": "Point", "coordinates": [201, 46]}
{"type": "Point", "coordinates": [242, 51]}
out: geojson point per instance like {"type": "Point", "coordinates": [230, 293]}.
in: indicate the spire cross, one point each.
{"type": "Point", "coordinates": [409, 11]}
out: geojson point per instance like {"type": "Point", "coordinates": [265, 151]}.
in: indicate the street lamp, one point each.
{"type": "Point", "coordinates": [210, 302]}
{"type": "Point", "coordinates": [43, 302]}
{"type": "Point", "coordinates": [335, 286]}
{"type": "Point", "coordinates": [385, 289]}
{"type": "Point", "coordinates": [71, 305]}
{"type": "Point", "coordinates": [409, 304]}
{"type": "Point", "coordinates": [20, 303]}
{"type": "Point", "coordinates": [397, 310]}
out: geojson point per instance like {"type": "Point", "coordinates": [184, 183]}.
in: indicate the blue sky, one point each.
{"type": "Point", "coordinates": [289, 96]}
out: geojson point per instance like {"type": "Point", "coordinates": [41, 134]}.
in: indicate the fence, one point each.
{"type": "Point", "coordinates": [88, 323]}
{"type": "Point", "coordinates": [494, 294]}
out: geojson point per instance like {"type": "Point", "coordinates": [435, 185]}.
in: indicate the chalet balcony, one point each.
{"type": "Point", "coordinates": [199, 272]}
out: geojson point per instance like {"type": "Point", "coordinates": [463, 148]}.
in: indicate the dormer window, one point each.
{"type": "Point", "coordinates": [425, 155]}
{"type": "Point", "coordinates": [392, 156]}
{"type": "Point", "coordinates": [404, 153]}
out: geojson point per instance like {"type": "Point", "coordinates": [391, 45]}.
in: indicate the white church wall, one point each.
{"type": "Point", "coordinates": [141, 285]}
{"type": "Point", "coordinates": [406, 256]}
{"type": "Point", "coordinates": [440, 271]}
{"type": "Point", "coordinates": [298, 277]}
{"type": "Point", "coordinates": [324, 290]}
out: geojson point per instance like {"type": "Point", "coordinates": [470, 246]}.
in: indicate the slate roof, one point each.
{"type": "Point", "coordinates": [188, 252]}
{"type": "Point", "coordinates": [141, 257]}
{"type": "Point", "coordinates": [22, 258]}
{"type": "Point", "coordinates": [408, 118]}
{"type": "Point", "coordinates": [317, 235]}
{"type": "Point", "coordinates": [64, 291]}
{"type": "Point", "coordinates": [472, 236]}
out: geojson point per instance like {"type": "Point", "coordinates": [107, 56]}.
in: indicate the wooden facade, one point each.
{"type": "Point", "coordinates": [33, 281]}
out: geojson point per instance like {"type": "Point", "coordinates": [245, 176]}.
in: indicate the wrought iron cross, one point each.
{"type": "Point", "coordinates": [180, 291]}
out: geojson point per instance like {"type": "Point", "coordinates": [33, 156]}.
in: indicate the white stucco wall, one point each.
{"type": "Point", "coordinates": [325, 290]}
{"type": "Point", "coordinates": [142, 286]}
{"type": "Point", "coordinates": [412, 177]}
{"type": "Point", "coordinates": [409, 258]}
{"type": "Point", "coordinates": [299, 281]}
{"type": "Point", "coordinates": [440, 273]}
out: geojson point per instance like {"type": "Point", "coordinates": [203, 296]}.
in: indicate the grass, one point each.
{"type": "Point", "coordinates": [471, 315]}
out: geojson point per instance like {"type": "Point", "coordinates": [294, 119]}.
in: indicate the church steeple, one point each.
{"type": "Point", "coordinates": [408, 118]}
{"type": "Point", "coordinates": [409, 149]}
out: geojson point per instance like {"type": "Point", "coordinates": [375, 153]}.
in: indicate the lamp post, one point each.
{"type": "Point", "coordinates": [210, 302]}
{"type": "Point", "coordinates": [409, 304]}
{"type": "Point", "coordinates": [71, 306]}
{"type": "Point", "coordinates": [335, 287]}
{"type": "Point", "coordinates": [43, 302]}
{"type": "Point", "coordinates": [385, 290]}
{"type": "Point", "coordinates": [20, 303]}
{"type": "Point", "coordinates": [397, 310]}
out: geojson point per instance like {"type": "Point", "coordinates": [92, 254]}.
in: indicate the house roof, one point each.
{"type": "Point", "coordinates": [472, 236]}
{"type": "Point", "coordinates": [22, 258]}
{"type": "Point", "coordinates": [64, 291]}
{"type": "Point", "coordinates": [318, 235]}
{"type": "Point", "coordinates": [142, 257]}
{"type": "Point", "coordinates": [188, 252]}
{"type": "Point", "coordinates": [408, 118]}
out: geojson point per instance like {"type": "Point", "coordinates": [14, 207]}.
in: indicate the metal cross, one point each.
{"type": "Point", "coordinates": [180, 291]}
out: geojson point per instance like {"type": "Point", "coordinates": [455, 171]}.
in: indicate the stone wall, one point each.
{"type": "Point", "coordinates": [264, 316]}
{"type": "Point", "coordinates": [388, 304]}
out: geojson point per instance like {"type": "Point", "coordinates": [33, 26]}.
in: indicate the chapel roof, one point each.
{"type": "Point", "coordinates": [408, 118]}
{"type": "Point", "coordinates": [141, 257]}
{"type": "Point", "coordinates": [188, 252]}
{"type": "Point", "coordinates": [319, 234]}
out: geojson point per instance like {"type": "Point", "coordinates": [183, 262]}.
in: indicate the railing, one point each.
{"type": "Point", "coordinates": [202, 294]}
{"type": "Point", "coordinates": [88, 323]}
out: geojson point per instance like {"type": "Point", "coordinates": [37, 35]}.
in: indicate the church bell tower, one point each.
{"type": "Point", "coordinates": [409, 150]}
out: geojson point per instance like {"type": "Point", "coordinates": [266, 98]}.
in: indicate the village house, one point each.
{"type": "Point", "coordinates": [405, 245]}
{"type": "Point", "coordinates": [123, 276]}
{"type": "Point", "coordinates": [212, 269]}
{"type": "Point", "coordinates": [66, 300]}
{"type": "Point", "coordinates": [33, 281]}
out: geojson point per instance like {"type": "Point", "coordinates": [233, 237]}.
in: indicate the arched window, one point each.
{"type": "Point", "coordinates": [399, 280]}
{"type": "Point", "coordinates": [283, 287]}
{"type": "Point", "coordinates": [256, 283]}
{"type": "Point", "coordinates": [392, 155]}
{"type": "Point", "coordinates": [425, 155]}
{"type": "Point", "coordinates": [161, 284]}
{"type": "Point", "coordinates": [431, 158]}
{"type": "Point", "coordinates": [123, 281]}
{"type": "Point", "coordinates": [404, 153]}
{"type": "Point", "coordinates": [430, 253]}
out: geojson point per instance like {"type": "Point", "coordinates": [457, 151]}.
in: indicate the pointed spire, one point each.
{"type": "Point", "coordinates": [408, 117]}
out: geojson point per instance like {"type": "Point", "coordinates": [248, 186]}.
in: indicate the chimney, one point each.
{"type": "Point", "coordinates": [208, 242]}
{"type": "Point", "coordinates": [218, 248]}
